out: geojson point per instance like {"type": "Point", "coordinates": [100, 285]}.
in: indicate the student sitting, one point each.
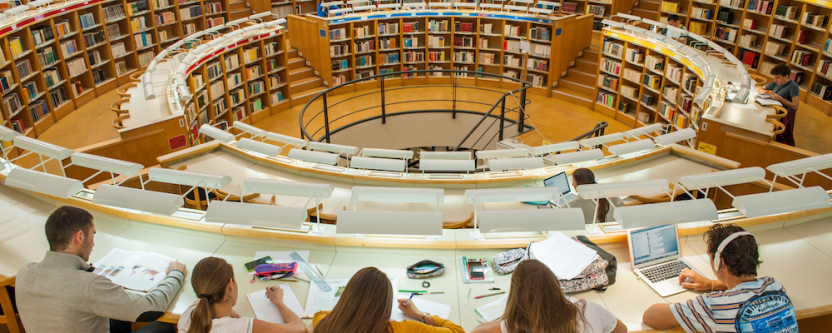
{"type": "Point", "coordinates": [673, 21]}
{"type": "Point", "coordinates": [61, 294]}
{"type": "Point", "coordinates": [787, 92]}
{"type": "Point", "coordinates": [366, 305]}
{"type": "Point", "coordinates": [214, 284]}
{"type": "Point", "coordinates": [536, 303]}
{"type": "Point", "coordinates": [738, 301]}
{"type": "Point", "coordinates": [585, 176]}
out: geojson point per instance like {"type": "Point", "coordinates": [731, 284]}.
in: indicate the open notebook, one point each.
{"type": "Point", "coordinates": [266, 311]}
{"type": "Point", "coordinates": [319, 300]}
{"type": "Point", "coordinates": [134, 270]}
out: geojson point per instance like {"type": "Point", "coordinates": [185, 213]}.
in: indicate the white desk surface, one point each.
{"type": "Point", "coordinates": [144, 111]}
{"type": "Point", "coordinates": [797, 254]}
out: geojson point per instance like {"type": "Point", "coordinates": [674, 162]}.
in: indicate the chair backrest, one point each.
{"type": "Point", "coordinates": [9, 313]}
{"type": "Point", "coordinates": [778, 128]}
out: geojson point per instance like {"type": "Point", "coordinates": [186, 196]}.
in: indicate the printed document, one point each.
{"type": "Point", "coordinates": [266, 311]}
{"type": "Point", "coordinates": [134, 270]}
{"type": "Point", "coordinates": [564, 256]}
{"type": "Point", "coordinates": [493, 310]}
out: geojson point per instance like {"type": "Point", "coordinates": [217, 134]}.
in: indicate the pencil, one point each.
{"type": "Point", "coordinates": [486, 295]}
{"type": "Point", "coordinates": [469, 295]}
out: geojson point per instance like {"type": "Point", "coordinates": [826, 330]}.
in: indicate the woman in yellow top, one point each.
{"type": "Point", "coordinates": [366, 305]}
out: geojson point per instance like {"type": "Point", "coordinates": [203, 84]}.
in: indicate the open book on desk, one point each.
{"type": "Point", "coordinates": [266, 311]}
{"type": "Point", "coordinates": [765, 100]}
{"type": "Point", "coordinates": [319, 300]}
{"type": "Point", "coordinates": [134, 270]}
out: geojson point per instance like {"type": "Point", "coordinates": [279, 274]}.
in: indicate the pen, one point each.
{"type": "Point", "coordinates": [469, 296]}
{"type": "Point", "coordinates": [436, 292]}
{"type": "Point", "coordinates": [486, 295]}
{"type": "Point", "coordinates": [408, 300]}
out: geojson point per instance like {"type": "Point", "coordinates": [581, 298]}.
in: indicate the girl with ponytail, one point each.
{"type": "Point", "coordinates": [214, 284]}
{"type": "Point", "coordinates": [585, 176]}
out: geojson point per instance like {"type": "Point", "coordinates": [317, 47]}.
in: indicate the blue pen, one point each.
{"type": "Point", "coordinates": [408, 300]}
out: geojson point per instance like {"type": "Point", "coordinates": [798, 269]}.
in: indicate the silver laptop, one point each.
{"type": "Point", "coordinates": [655, 256]}
{"type": "Point", "coordinates": [561, 181]}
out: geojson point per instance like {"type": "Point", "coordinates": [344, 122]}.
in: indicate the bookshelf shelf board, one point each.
{"type": "Point", "coordinates": [485, 49]}
{"type": "Point", "coordinates": [724, 41]}
{"type": "Point", "coordinates": [36, 97]}
{"type": "Point", "coordinates": [492, 65]}
{"type": "Point", "coordinates": [105, 82]}
{"type": "Point", "coordinates": [537, 71]}
{"type": "Point", "coordinates": [652, 90]}
{"type": "Point", "coordinates": [47, 66]}
{"type": "Point", "coordinates": [96, 46]}
{"type": "Point", "coordinates": [413, 48]}
{"type": "Point", "coordinates": [339, 40]}
{"type": "Point", "coordinates": [234, 87]}
{"type": "Point", "coordinates": [628, 80]}
{"type": "Point", "coordinates": [439, 47]}
{"type": "Point", "coordinates": [673, 82]}
{"type": "Point", "coordinates": [42, 45]}
{"type": "Point", "coordinates": [219, 76]}
{"type": "Point", "coordinates": [668, 99]}
{"type": "Point", "coordinates": [610, 73]}
{"type": "Point", "coordinates": [91, 27]}
{"type": "Point", "coordinates": [277, 69]}
{"type": "Point", "coordinates": [253, 62]}
{"type": "Point", "coordinates": [216, 13]}
{"type": "Point", "coordinates": [440, 62]}
{"type": "Point", "coordinates": [41, 120]}
{"type": "Point", "coordinates": [79, 73]}
{"type": "Point", "coordinates": [25, 53]}
{"type": "Point", "coordinates": [201, 87]}
{"type": "Point", "coordinates": [777, 57]}
{"type": "Point", "coordinates": [815, 47]}
{"type": "Point", "coordinates": [278, 86]}
{"type": "Point", "coordinates": [166, 7]}
{"type": "Point", "coordinates": [701, 19]}
{"type": "Point", "coordinates": [274, 4]}
{"type": "Point", "coordinates": [340, 55]}
{"type": "Point", "coordinates": [280, 102]}
{"type": "Point", "coordinates": [611, 56]}
{"type": "Point", "coordinates": [238, 103]}
{"type": "Point", "coordinates": [674, 13]}
{"type": "Point", "coordinates": [365, 52]}
{"type": "Point", "coordinates": [146, 47]}
{"type": "Point", "coordinates": [604, 106]}
{"type": "Point", "coordinates": [172, 39]}
{"type": "Point", "coordinates": [630, 98]}
{"type": "Point", "coordinates": [114, 20]}
{"type": "Point", "coordinates": [757, 13]}
{"type": "Point", "coordinates": [146, 29]}
{"type": "Point", "coordinates": [16, 112]}
{"type": "Point", "coordinates": [364, 37]}
{"type": "Point", "coordinates": [415, 33]}
{"type": "Point", "coordinates": [415, 62]}
{"type": "Point", "coordinates": [28, 77]}
{"type": "Point", "coordinates": [342, 70]}
{"type": "Point", "coordinates": [731, 8]}
{"type": "Point", "coordinates": [755, 49]}
{"type": "Point", "coordinates": [787, 40]}
{"type": "Point", "coordinates": [635, 63]}
{"type": "Point", "coordinates": [758, 30]}
{"type": "Point", "coordinates": [388, 50]}
{"type": "Point", "coordinates": [513, 52]}
{"type": "Point", "coordinates": [785, 19]}
{"type": "Point", "coordinates": [56, 85]}
{"type": "Point", "coordinates": [233, 69]}
{"type": "Point", "coordinates": [367, 66]}
{"type": "Point", "coordinates": [391, 64]}
{"type": "Point", "coordinates": [632, 118]}
{"type": "Point", "coordinates": [122, 56]}
{"type": "Point", "coordinates": [821, 29]}
{"type": "Point", "coordinates": [657, 72]}
{"type": "Point", "coordinates": [72, 33]}
{"type": "Point", "coordinates": [464, 33]}
{"type": "Point", "coordinates": [275, 54]}
{"type": "Point", "coordinates": [192, 18]}
{"type": "Point", "coordinates": [648, 107]}
{"type": "Point", "coordinates": [539, 40]}
{"type": "Point", "coordinates": [117, 38]}
{"type": "Point", "coordinates": [464, 48]}
{"type": "Point", "coordinates": [434, 33]}
{"type": "Point", "coordinates": [517, 37]}
{"type": "Point", "coordinates": [10, 88]}
{"type": "Point", "coordinates": [221, 114]}
{"type": "Point", "coordinates": [257, 94]}
{"type": "Point", "coordinates": [608, 89]}
{"type": "Point", "coordinates": [802, 67]}
{"type": "Point", "coordinates": [166, 24]}
{"type": "Point", "coordinates": [222, 95]}
{"type": "Point", "coordinates": [139, 13]}
{"type": "Point", "coordinates": [732, 25]}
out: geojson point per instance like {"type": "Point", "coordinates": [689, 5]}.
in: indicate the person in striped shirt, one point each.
{"type": "Point", "coordinates": [738, 301]}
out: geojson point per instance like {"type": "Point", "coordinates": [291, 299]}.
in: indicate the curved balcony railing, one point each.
{"type": "Point", "coordinates": [327, 114]}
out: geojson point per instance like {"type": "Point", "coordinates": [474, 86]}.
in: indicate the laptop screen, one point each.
{"type": "Point", "coordinates": [654, 243]}
{"type": "Point", "coordinates": [560, 181]}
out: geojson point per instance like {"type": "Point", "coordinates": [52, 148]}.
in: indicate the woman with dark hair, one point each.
{"type": "Point", "coordinates": [537, 304]}
{"type": "Point", "coordinates": [366, 305]}
{"type": "Point", "coordinates": [214, 284]}
{"type": "Point", "coordinates": [585, 176]}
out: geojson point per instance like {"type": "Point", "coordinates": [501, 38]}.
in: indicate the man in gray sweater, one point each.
{"type": "Point", "coordinates": [61, 294]}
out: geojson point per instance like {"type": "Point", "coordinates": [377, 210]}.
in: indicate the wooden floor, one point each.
{"type": "Point", "coordinates": [554, 119]}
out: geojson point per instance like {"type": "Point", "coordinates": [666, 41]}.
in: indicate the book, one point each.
{"type": "Point", "coordinates": [765, 100]}
{"type": "Point", "coordinates": [134, 270]}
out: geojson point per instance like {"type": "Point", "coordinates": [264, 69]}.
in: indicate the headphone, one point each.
{"type": "Point", "coordinates": [718, 254]}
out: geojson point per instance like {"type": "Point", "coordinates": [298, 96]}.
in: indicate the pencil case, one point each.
{"type": "Point", "coordinates": [425, 269]}
{"type": "Point", "coordinates": [506, 262]}
{"type": "Point", "coordinates": [285, 269]}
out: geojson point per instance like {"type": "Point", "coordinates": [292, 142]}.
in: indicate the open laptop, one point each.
{"type": "Point", "coordinates": [561, 181]}
{"type": "Point", "coordinates": [655, 256]}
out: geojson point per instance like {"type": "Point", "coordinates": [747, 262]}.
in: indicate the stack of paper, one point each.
{"type": "Point", "coordinates": [493, 310]}
{"type": "Point", "coordinates": [564, 256]}
{"type": "Point", "coordinates": [266, 311]}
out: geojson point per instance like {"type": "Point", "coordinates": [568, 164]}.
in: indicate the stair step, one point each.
{"type": "Point", "coordinates": [304, 84]}
{"type": "Point", "coordinates": [585, 90]}
{"type": "Point", "coordinates": [306, 95]}
{"type": "Point", "coordinates": [568, 95]}
{"type": "Point", "coordinates": [301, 73]}
{"type": "Point", "coordinates": [579, 77]}
{"type": "Point", "coordinates": [296, 62]}
{"type": "Point", "coordinates": [585, 66]}
{"type": "Point", "coordinates": [304, 81]}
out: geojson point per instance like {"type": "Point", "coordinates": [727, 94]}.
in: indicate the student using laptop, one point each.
{"type": "Point", "coordinates": [537, 303]}
{"type": "Point", "coordinates": [585, 176]}
{"type": "Point", "coordinates": [366, 306]}
{"type": "Point", "coordinates": [787, 92]}
{"type": "Point", "coordinates": [739, 301]}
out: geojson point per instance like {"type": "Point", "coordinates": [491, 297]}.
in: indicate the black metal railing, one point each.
{"type": "Point", "coordinates": [321, 106]}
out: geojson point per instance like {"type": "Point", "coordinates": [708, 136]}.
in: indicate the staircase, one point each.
{"type": "Point", "coordinates": [304, 84]}
{"type": "Point", "coordinates": [238, 9]}
{"type": "Point", "coordinates": [578, 86]}
{"type": "Point", "coordinates": [647, 9]}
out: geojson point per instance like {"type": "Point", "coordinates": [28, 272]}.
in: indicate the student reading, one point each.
{"type": "Point", "coordinates": [785, 91]}
{"type": "Point", "coordinates": [61, 294]}
{"type": "Point", "coordinates": [366, 305]}
{"type": "Point", "coordinates": [536, 303]}
{"type": "Point", "coordinates": [216, 288]}
{"type": "Point", "coordinates": [585, 176]}
{"type": "Point", "coordinates": [738, 301]}
{"type": "Point", "coordinates": [673, 21]}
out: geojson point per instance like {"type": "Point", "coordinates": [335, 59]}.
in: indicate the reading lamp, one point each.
{"type": "Point", "coordinates": [256, 215]}
{"type": "Point", "coordinates": [254, 27]}
{"type": "Point", "coordinates": [254, 132]}
{"type": "Point", "coordinates": [384, 164]}
{"type": "Point", "coordinates": [237, 22]}
{"type": "Point", "coordinates": [259, 147]}
{"type": "Point", "coordinates": [771, 203]}
{"type": "Point", "coordinates": [600, 191]}
{"type": "Point", "coordinates": [687, 50]}
{"type": "Point", "coordinates": [664, 213]}
{"type": "Point", "coordinates": [397, 194]}
{"type": "Point", "coordinates": [386, 153]}
{"type": "Point", "coordinates": [791, 169]}
{"type": "Point", "coordinates": [635, 30]}
{"type": "Point", "coordinates": [357, 5]}
{"type": "Point", "coordinates": [654, 23]}
{"type": "Point", "coordinates": [285, 188]}
{"type": "Point", "coordinates": [631, 147]}
{"type": "Point", "coordinates": [500, 153]}
{"type": "Point", "coordinates": [287, 140]}
{"type": "Point", "coordinates": [389, 223]}
{"type": "Point", "coordinates": [578, 156]}
{"type": "Point", "coordinates": [40, 3]}
{"type": "Point", "coordinates": [673, 137]}
{"type": "Point", "coordinates": [314, 156]}
{"type": "Point", "coordinates": [333, 148]}
{"type": "Point", "coordinates": [601, 140]}
{"type": "Point", "coordinates": [613, 23]}
{"type": "Point", "coordinates": [447, 165]}
{"type": "Point", "coordinates": [42, 149]}
{"type": "Point", "coordinates": [14, 11]}
{"type": "Point", "coordinates": [719, 179]}
{"type": "Point", "coordinates": [187, 178]}
{"type": "Point", "coordinates": [520, 220]}
{"type": "Point", "coordinates": [104, 164]}
{"type": "Point", "coordinates": [521, 163]}
{"type": "Point", "coordinates": [260, 16]}
{"type": "Point", "coordinates": [628, 17]}
{"type": "Point", "coordinates": [557, 147]}
{"type": "Point", "coordinates": [518, 194]}
{"type": "Point", "coordinates": [680, 31]}
{"type": "Point", "coordinates": [131, 198]}
{"type": "Point", "coordinates": [655, 35]}
{"type": "Point", "coordinates": [8, 135]}
{"type": "Point", "coordinates": [44, 183]}
{"type": "Point", "coordinates": [636, 133]}
{"type": "Point", "coordinates": [445, 155]}
{"type": "Point", "coordinates": [216, 133]}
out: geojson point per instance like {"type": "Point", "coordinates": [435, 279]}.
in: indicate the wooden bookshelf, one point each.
{"type": "Point", "coordinates": [79, 51]}
{"type": "Point", "coordinates": [253, 88]}
{"type": "Point", "coordinates": [476, 44]}
{"type": "Point", "coordinates": [756, 25]}
{"type": "Point", "coordinates": [639, 86]}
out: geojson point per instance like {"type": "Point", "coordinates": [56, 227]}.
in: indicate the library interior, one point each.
{"type": "Point", "coordinates": [654, 156]}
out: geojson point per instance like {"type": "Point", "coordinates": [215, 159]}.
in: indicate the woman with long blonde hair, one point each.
{"type": "Point", "coordinates": [366, 306]}
{"type": "Point", "coordinates": [537, 304]}
{"type": "Point", "coordinates": [215, 286]}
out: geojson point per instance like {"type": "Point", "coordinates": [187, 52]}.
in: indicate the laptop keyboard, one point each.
{"type": "Point", "coordinates": [569, 196]}
{"type": "Point", "coordinates": [664, 271]}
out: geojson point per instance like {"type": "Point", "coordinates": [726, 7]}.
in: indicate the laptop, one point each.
{"type": "Point", "coordinates": [561, 181]}
{"type": "Point", "coordinates": [656, 258]}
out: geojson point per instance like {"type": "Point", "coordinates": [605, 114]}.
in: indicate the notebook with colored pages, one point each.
{"type": "Point", "coordinates": [134, 270]}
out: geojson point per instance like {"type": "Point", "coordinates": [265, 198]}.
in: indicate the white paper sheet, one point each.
{"type": "Point", "coordinates": [283, 257]}
{"type": "Point", "coordinates": [319, 300]}
{"type": "Point", "coordinates": [565, 257]}
{"type": "Point", "coordinates": [493, 310]}
{"type": "Point", "coordinates": [135, 270]}
{"type": "Point", "coordinates": [434, 308]}
{"type": "Point", "coordinates": [266, 311]}
{"type": "Point", "coordinates": [744, 106]}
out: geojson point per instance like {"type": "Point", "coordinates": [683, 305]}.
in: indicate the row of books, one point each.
{"type": "Point", "coordinates": [232, 61]}
{"type": "Point", "coordinates": [822, 90]}
{"type": "Point", "coordinates": [42, 35]}
{"type": "Point", "coordinates": [87, 20]}
{"type": "Point", "coordinates": [613, 49]}
{"type": "Point", "coordinates": [801, 57]}
{"type": "Point", "coordinates": [464, 42]}
{"type": "Point", "coordinates": [47, 57]}
{"type": "Point", "coordinates": [814, 19]}
{"type": "Point", "coordinates": [631, 75]}
{"type": "Point", "coordinates": [233, 79]}
{"type": "Point", "coordinates": [654, 62]}
{"type": "Point", "coordinates": [749, 40]}
{"type": "Point", "coordinates": [370, 45]}
{"type": "Point", "coordinates": [58, 96]}
{"type": "Point", "coordinates": [760, 6]}
{"type": "Point", "coordinates": [164, 18]}
{"type": "Point", "coordinates": [253, 72]}
{"type": "Point", "coordinates": [113, 31]}
{"type": "Point", "coordinates": [339, 50]}
{"type": "Point", "coordinates": [670, 7]}
{"type": "Point", "coordinates": [213, 7]}
{"type": "Point", "coordinates": [339, 65]}
{"type": "Point", "coordinates": [39, 110]}
{"type": "Point", "coordinates": [388, 43]}
{"type": "Point", "coordinates": [214, 70]}
{"type": "Point", "coordinates": [438, 26]}
{"type": "Point", "coordinates": [113, 13]}
{"type": "Point", "coordinates": [726, 34]}
{"type": "Point", "coordinates": [256, 87]}
{"type": "Point", "coordinates": [216, 89]}
{"type": "Point", "coordinates": [786, 12]}
{"type": "Point", "coordinates": [94, 38]}
{"type": "Point", "coordinates": [464, 27]}
{"type": "Point", "coordinates": [338, 34]}
{"type": "Point", "coordinates": [69, 47]}
{"type": "Point", "coordinates": [699, 28]}
{"type": "Point", "coordinates": [749, 58]}
{"type": "Point", "coordinates": [118, 50]}
{"type": "Point", "coordinates": [6, 81]}
{"type": "Point", "coordinates": [608, 81]}
{"type": "Point", "coordinates": [388, 28]}
{"type": "Point", "coordinates": [436, 56]}
{"type": "Point", "coordinates": [98, 76]}
{"type": "Point", "coordinates": [24, 68]}
{"type": "Point", "coordinates": [702, 13]}
{"type": "Point", "coordinates": [76, 66]}
{"type": "Point", "coordinates": [250, 55]}
{"type": "Point", "coordinates": [137, 7]}
{"type": "Point", "coordinates": [511, 60]}
{"type": "Point", "coordinates": [674, 73]}
{"type": "Point", "coordinates": [214, 21]}
{"type": "Point", "coordinates": [237, 96]}
{"type": "Point", "coordinates": [540, 33]}
{"type": "Point", "coordinates": [413, 56]}
{"type": "Point", "coordinates": [143, 39]}
{"type": "Point", "coordinates": [610, 66]}
{"type": "Point", "coordinates": [536, 80]}
{"type": "Point", "coordinates": [138, 24]}
{"type": "Point", "coordinates": [188, 13]}
{"type": "Point", "coordinates": [464, 56]}
{"type": "Point", "coordinates": [364, 61]}
{"type": "Point", "coordinates": [62, 28]}
{"type": "Point", "coordinates": [629, 92]}
{"type": "Point", "coordinates": [511, 30]}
